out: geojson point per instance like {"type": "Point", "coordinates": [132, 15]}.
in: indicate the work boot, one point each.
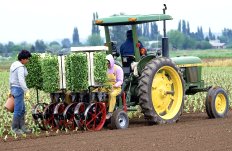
{"type": "Point", "coordinates": [23, 126]}
{"type": "Point", "coordinates": [15, 126]}
{"type": "Point", "coordinates": [108, 116]}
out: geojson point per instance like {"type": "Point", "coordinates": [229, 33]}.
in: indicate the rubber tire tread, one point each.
{"type": "Point", "coordinates": [214, 91]}
{"type": "Point", "coordinates": [144, 91]}
{"type": "Point", "coordinates": [114, 119]}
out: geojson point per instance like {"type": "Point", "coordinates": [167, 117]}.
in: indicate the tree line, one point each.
{"type": "Point", "coordinates": [180, 38]}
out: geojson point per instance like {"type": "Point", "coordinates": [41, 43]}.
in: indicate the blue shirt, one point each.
{"type": "Point", "coordinates": [127, 48]}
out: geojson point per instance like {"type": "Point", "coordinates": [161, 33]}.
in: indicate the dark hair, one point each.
{"type": "Point", "coordinates": [24, 54]}
{"type": "Point", "coordinates": [129, 34]}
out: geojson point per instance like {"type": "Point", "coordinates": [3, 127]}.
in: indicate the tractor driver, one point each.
{"type": "Point", "coordinates": [115, 79]}
{"type": "Point", "coordinates": [127, 48]}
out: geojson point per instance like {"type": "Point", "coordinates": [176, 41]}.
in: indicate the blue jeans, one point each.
{"type": "Point", "coordinates": [19, 105]}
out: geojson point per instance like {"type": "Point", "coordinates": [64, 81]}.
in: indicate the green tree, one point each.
{"type": "Point", "coordinates": [226, 36]}
{"type": "Point", "coordinates": [32, 49]}
{"type": "Point", "coordinates": [189, 43]}
{"type": "Point", "coordinates": [154, 31]}
{"type": "Point", "coordinates": [206, 38]}
{"type": "Point", "coordinates": [54, 43]}
{"type": "Point", "coordinates": [17, 48]}
{"type": "Point", "coordinates": [95, 28]}
{"type": "Point", "coordinates": [95, 40]}
{"type": "Point", "coordinates": [146, 30]}
{"type": "Point", "coordinates": [179, 26]}
{"type": "Point", "coordinates": [76, 40]}
{"type": "Point", "coordinates": [66, 43]}
{"type": "Point", "coordinates": [40, 46]}
{"type": "Point", "coordinates": [203, 45]}
{"type": "Point", "coordinates": [200, 35]}
{"type": "Point", "coordinates": [184, 28]}
{"type": "Point", "coordinates": [211, 36]}
{"type": "Point", "coordinates": [118, 33]}
{"type": "Point", "coordinates": [10, 47]}
{"type": "Point", "coordinates": [176, 39]}
{"type": "Point", "coordinates": [25, 45]}
{"type": "Point", "coordinates": [2, 48]}
{"type": "Point", "coordinates": [188, 29]}
{"type": "Point", "coordinates": [54, 47]}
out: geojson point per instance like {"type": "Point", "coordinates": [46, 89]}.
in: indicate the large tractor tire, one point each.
{"type": "Point", "coordinates": [217, 103]}
{"type": "Point", "coordinates": [161, 91]}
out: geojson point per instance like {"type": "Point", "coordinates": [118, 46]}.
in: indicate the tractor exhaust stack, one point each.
{"type": "Point", "coordinates": [165, 49]}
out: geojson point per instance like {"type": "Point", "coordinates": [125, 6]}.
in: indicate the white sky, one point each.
{"type": "Point", "coordinates": [29, 20]}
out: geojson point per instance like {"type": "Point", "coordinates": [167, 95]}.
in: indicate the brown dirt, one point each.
{"type": "Point", "coordinates": [193, 132]}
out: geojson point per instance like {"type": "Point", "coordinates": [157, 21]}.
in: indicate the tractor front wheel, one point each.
{"type": "Point", "coordinates": [119, 120]}
{"type": "Point", "coordinates": [217, 103]}
{"type": "Point", "coordinates": [161, 91]}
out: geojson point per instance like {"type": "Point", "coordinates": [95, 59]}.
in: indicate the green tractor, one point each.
{"type": "Point", "coordinates": [160, 84]}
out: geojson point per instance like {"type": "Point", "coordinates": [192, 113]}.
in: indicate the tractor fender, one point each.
{"type": "Point", "coordinates": [142, 63]}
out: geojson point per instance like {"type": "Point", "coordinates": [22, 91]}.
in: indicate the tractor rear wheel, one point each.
{"type": "Point", "coordinates": [217, 103]}
{"type": "Point", "coordinates": [161, 91]}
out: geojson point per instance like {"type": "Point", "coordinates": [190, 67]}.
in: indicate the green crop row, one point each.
{"type": "Point", "coordinates": [211, 53]}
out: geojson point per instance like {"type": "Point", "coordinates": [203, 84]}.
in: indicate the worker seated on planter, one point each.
{"type": "Point", "coordinates": [115, 79]}
{"type": "Point", "coordinates": [127, 48]}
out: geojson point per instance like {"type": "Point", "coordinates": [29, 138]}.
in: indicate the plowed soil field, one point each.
{"type": "Point", "coordinates": [194, 131]}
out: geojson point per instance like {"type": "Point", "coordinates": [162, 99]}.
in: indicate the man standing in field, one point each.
{"type": "Point", "coordinates": [18, 88]}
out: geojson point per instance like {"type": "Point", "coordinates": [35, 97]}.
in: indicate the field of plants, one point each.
{"type": "Point", "coordinates": [217, 53]}
{"type": "Point", "coordinates": [6, 117]}
{"type": "Point", "coordinates": [215, 72]}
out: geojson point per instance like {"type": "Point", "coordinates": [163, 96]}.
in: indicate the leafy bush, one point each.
{"type": "Point", "coordinates": [100, 67]}
{"type": "Point", "coordinates": [68, 72]}
{"type": "Point", "coordinates": [34, 78]}
{"type": "Point", "coordinates": [50, 72]}
{"type": "Point", "coordinates": [77, 72]}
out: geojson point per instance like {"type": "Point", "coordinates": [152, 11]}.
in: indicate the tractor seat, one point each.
{"type": "Point", "coordinates": [126, 64]}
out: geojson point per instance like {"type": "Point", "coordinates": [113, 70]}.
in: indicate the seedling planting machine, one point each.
{"type": "Point", "coordinates": [157, 83]}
